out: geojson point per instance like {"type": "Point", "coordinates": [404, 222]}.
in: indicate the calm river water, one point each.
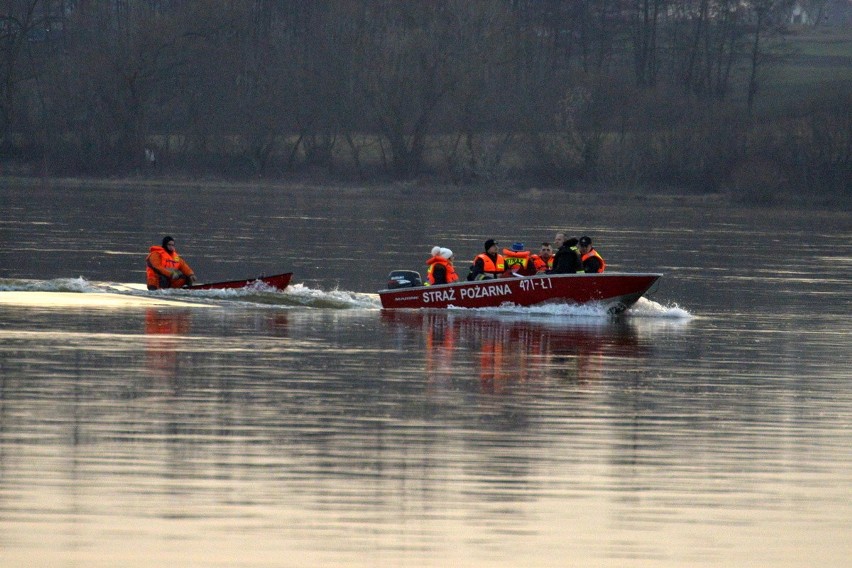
{"type": "Point", "coordinates": [711, 425]}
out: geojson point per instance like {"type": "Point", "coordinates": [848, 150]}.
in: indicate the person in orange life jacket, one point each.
{"type": "Point", "coordinates": [566, 260]}
{"type": "Point", "coordinates": [518, 261]}
{"type": "Point", "coordinates": [441, 269]}
{"type": "Point", "coordinates": [543, 261]}
{"type": "Point", "coordinates": [489, 264]}
{"type": "Point", "coordinates": [165, 268]}
{"type": "Point", "coordinates": [592, 261]}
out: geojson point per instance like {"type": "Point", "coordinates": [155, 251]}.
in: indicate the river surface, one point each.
{"type": "Point", "coordinates": [710, 425]}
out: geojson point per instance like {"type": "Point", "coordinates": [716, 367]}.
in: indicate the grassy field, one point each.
{"type": "Point", "coordinates": [819, 65]}
{"type": "Point", "coordinates": [822, 41]}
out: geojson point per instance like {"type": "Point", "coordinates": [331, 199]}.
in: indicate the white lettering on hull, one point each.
{"type": "Point", "coordinates": [466, 293]}
{"type": "Point", "coordinates": [439, 296]}
{"type": "Point", "coordinates": [485, 291]}
{"type": "Point", "coordinates": [528, 285]}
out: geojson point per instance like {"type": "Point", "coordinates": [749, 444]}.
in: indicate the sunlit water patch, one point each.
{"type": "Point", "coordinates": [72, 290]}
{"type": "Point", "coordinates": [56, 285]}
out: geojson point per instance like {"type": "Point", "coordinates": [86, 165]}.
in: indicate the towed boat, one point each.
{"type": "Point", "coordinates": [279, 281]}
{"type": "Point", "coordinates": [615, 291]}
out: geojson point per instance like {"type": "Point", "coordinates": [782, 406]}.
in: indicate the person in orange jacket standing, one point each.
{"type": "Point", "coordinates": [165, 268]}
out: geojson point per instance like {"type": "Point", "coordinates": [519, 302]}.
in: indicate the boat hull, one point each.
{"type": "Point", "coordinates": [615, 291]}
{"type": "Point", "coordinates": [279, 281]}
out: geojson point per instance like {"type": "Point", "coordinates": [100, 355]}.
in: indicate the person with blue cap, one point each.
{"type": "Point", "coordinates": [518, 260]}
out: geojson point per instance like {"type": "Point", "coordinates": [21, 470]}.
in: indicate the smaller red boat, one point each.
{"type": "Point", "coordinates": [279, 281]}
{"type": "Point", "coordinates": [616, 291]}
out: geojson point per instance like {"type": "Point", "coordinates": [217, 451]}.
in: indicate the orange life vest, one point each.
{"type": "Point", "coordinates": [516, 260]}
{"type": "Point", "coordinates": [160, 265]}
{"type": "Point", "coordinates": [540, 264]}
{"type": "Point", "coordinates": [488, 265]}
{"type": "Point", "coordinates": [451, 271]}
{"type": "Point", "coordinates": [592, 253]}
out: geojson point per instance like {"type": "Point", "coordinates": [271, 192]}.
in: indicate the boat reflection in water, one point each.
{"type": "Point", "coordinates": [161, 345]}
{"type": "Point", "coordinates": [512, 349]}
{"type": "Point", "coordinates": [171, 335]}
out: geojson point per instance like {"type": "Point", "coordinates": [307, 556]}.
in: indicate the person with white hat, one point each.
{"type": "Point", "coordinates": [441, 269]}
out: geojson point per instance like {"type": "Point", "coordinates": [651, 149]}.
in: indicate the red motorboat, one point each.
{"type": "Point", "coordinates": [616, 291]}
{"type": "Point", "coordinates": [279, 281]}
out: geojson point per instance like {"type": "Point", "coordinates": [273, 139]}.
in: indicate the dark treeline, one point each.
{"type": "Point", "coordinates": [631, 93]}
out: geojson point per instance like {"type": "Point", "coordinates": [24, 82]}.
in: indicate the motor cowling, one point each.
{"type": "Point", "coordinates": [404, 279]}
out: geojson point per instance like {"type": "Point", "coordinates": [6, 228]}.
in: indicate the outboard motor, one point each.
{"type": "Point", "coordinates": [404, 279]}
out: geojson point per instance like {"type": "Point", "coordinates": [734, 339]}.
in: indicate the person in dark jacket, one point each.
{"type": "Point", "coordinates": [489, 264]}
{"type": "Point", "coordinates": [566, 260]}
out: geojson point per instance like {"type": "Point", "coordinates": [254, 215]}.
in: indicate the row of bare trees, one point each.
{"type": "Point", "coordinates": [628, 91]}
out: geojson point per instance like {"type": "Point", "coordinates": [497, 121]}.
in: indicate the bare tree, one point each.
{"type": "Point", "coordinates": [646, 16]}
{"type": "Point", "coordinates": [21, 22]}
{"type": "Point", "coordinates": [108, 84]}
{"type": "Point", "coordinates": [409, 61]}
{"type": "Point", "coordinates": [766, 16]}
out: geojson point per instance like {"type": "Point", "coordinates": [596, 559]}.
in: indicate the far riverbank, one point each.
{"type": "Point", "coordinates": [426, 187]}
